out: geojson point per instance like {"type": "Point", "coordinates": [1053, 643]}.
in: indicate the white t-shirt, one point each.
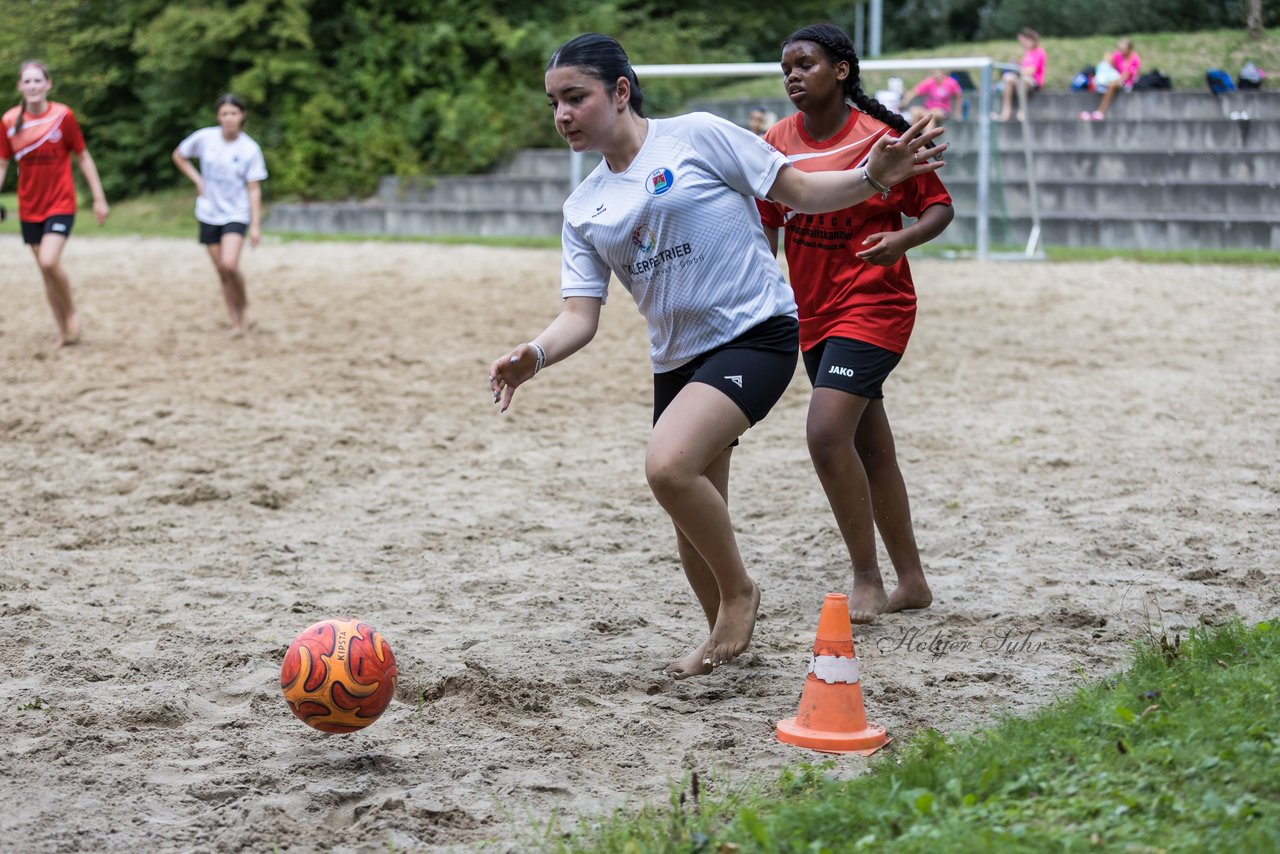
{"type": "Point", "coordinates": [680, 229]}
{"type": "Point", "coordinates": [225, 167]}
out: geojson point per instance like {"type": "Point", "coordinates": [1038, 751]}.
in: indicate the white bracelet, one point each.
{"type": "Point", "coordinates": [876, 185]}
{"type": "Point", "coordinates": [540, 356]}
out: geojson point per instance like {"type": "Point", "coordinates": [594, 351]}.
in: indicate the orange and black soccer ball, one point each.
{"type": "Point", "coordinates": [338, 675]}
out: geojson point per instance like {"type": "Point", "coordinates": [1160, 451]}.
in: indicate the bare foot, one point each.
{"type": "Point", "coordinates": [909, 596]}
{"type": "Point", "coordinates": [867, 601]}
{"type": "Point", "coordinates": [693, 664]}
{"type": "Point", "coordinates": [735, 622]}
{"type": "Point", "coordinates": [69, 336]}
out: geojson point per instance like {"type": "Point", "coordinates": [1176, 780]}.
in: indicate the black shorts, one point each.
{"type": "Point", "coordinates": [34, 232]}
{"type": "Point", "coordinates": [753, 370]}
{"type": "Point", "coordinates": [855, 367]}
{"type": "Point", "coordinates": [211, 235]}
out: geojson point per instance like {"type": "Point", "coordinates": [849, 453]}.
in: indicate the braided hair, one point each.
{"type": "Point", "coordinates": [30, 63]}
{"type": "Point", "coordinates": [838, 47]}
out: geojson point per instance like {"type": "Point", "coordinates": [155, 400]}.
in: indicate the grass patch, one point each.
{"type": "Point", "coordinates": [171, 213]}
{"type": "Point", "coordinates": [1068, 254]}
{"type": "Point", "coordinates": [1185, 57]}
{"type": "Point", "coordinates": [1177, 754]}
{"type": "Point", "coordinates": [167, 213]}
{"type": "Point", "coordinates": [1255, 257]}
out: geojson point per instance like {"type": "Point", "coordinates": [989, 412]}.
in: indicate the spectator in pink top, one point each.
{"type": "Point", "coordinates": [1031, 72]}
{"type": "Point", "coordinates": [941, 95]}
{"type": "Point", "coordinates": [1126, 62]}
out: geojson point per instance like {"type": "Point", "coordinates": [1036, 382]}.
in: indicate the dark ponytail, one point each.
{"type": "Point", "coordinates": [234, 100]}
{"type": "Point", "coordinates": [838, 47]}
{"type": "Point", "coordinates": [22, 103]}
{"type": "Point", "coordinates": [604, 59]}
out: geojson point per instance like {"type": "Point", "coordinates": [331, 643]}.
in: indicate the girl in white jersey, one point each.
{"type": "Point", "coordinates": [670, 212]}
{"type": "Point", "coordinates": [228, 198]}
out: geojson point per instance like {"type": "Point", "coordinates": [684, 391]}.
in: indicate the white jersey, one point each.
{"type": "Point", "coordinates": [225, 167]}
{"type": "Point", "coordinates": [680, 229]}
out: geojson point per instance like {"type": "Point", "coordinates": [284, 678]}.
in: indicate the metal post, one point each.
{"type": "Point", "coordinates": [983, 231]}
{"type": "Point", "coordinates": [575, 170]}
{"type": "Point", "coordinates": [1033, 193]}
{"type": "Point", "coordinates": [877, 27]}
{"type": "Point", "coordinates": [860, 29]}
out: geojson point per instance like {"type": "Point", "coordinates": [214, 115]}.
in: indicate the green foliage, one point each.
{"type": "Point", "coordinates": [1183, 56]}
{"type": "Point", "coordinates": [1177, 754]}
{"type": "Point", "coordinates": [928, 23]}
{"type": "Point", "coordinates": [342, 92]}
{"type": "Point", "coordinates": [1090, 17]}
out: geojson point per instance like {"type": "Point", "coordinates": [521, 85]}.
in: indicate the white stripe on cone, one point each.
{"type": "Point", "coordinates": [833, 668]}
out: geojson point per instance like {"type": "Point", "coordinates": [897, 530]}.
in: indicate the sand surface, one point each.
{"type": "Point", "coordinates": [1091, 449]}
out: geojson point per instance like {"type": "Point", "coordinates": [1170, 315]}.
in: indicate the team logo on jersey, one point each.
{"type": "Point", "coordinates": [56, 136]}
{"type": "Point", "coordinates": [659, 181]}
{"type": "Point", "coordinates": [645, 238]}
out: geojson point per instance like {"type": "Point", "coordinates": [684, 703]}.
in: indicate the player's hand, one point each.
{"type": "Point", "coordinates": [199, 187]}
{"type": "Point", "coordinates": [895, 159]}
{"type": "Point", "coordinates": [100, 210]}
{"type": "Point", "coordinates": [509, 372]}
{"type": "Point", "coordinates": [255, 235]}
{"type": "Point", "coordinates": [883, 248]}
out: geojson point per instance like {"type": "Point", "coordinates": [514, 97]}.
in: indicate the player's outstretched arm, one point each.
{"type": "Point", "coordinates": [572, 329]}
{"type": "Point", "coordinates": [892, 161]}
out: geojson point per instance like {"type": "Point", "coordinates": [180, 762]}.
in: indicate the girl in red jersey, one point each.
{"type": "Point", "coordinates": [856, 305]}
{"type": "Point", "coordinates": [41, 136]}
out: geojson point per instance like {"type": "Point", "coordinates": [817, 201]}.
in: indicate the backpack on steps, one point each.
{"type": "Point", "coordinates": [1251, 76]}
{"type": "Point", "coordinates": [1154, 79]}
{"type": "Point", "coordinates": [1083, 81]}
{"type": "Point", "coordinates": [1219, 81]}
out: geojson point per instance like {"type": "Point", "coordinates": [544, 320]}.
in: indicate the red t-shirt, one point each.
{"type": "Point", "coordinates": [42, 150]}
{"type": "Point", "coordinates": [839, 294]}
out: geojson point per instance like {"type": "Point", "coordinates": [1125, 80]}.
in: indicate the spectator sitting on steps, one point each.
{"type": "Point", "coordinates": [1031, 73]}
{"type": "Point", "coordinates": [1119, 71]}
{"type": "Point", "coordinates": [941, 95]}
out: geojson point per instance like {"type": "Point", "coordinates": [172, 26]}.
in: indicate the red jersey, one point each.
{"type": "Point", "coordinates": [42, 150]}
{"type": "Point", "coordinates": [837, 293]}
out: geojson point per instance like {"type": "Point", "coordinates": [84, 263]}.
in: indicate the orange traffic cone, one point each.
{"type": "Point", "coordinates": [831, 716]}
